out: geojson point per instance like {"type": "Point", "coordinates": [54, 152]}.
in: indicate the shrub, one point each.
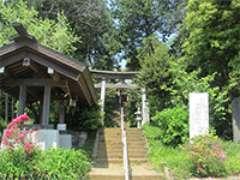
{"type": "Point", "coordinates": [173, 125]}
{"type": "Point", "coordinates": [207, 155]}
{"type": "Point", "coordinates": [15, 164]}
{"type": "Point", "coordinates": [62, 164]}
{"type": "Point", "coordinates": [50, 164]}
{"type": "Point", "coordinates": [152, 133]}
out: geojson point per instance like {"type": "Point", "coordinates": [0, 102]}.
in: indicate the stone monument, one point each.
{"type": "Point", "coordinates": [198, 114]}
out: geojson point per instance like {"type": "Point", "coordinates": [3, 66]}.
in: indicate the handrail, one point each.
{"type": "Point", "coordinates": [125, 148]}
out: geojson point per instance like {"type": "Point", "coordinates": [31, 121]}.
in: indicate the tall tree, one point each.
{"type": "Point", "coordinates": [91, 20]}
{"type": "Point", "coordinates": [212, 33]}
{"type": "Point", "coordinates": [138, 19]}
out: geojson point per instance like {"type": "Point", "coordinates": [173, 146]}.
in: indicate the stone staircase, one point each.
{"type": "Point", "coordinates": [109, 158]}
{"type": "Point", "coordinates": [109, 149]}
{"type": "Point", "coordinates": [137, 150]}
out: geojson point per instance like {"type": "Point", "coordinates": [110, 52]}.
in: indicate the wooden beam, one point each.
{"type": "Point", "coordinates": [37, 82]}
{"type": "Point", "coordinates": [113, 74]}
{"type": "Point", "coordinates": [117, 86]}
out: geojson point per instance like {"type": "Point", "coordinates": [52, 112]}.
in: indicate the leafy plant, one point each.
{"type": "Point", "coordinates": [173, 125]}
{"type": "Point", "coordinates": [62, 164]}
{"type": "Point", "coordinates": [15, 164]}
{"type": "Point", "coordinates": [49, 164]}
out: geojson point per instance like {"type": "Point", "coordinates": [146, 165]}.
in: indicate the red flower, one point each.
{"type": "Point", "coordinates": [28, 147]}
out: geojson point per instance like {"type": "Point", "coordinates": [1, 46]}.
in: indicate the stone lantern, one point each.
{"type": "Point", "coordinates": [139, 117]}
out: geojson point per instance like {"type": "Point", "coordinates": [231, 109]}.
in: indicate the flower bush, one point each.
{"type": "Point", "coordinates": [14, 137]}
{"type": "Point", "coordinates": [207, 156]}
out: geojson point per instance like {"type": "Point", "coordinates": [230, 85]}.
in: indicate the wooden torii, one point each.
{"type": "Point", "coordinates": [105, 76]}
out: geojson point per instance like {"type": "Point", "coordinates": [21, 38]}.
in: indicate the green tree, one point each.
{"type": "Point", "coordinates": [93, 22]}
{"type": "Point", "coordinates": [137, 19]}
{"type": "Point", "coordinates": [212, 34]}
{"type": "Point", "coordinates": [54, 34]}
{"type": "Point", "coordinates": [169, 83]}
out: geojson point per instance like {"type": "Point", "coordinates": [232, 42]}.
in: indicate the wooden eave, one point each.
{"type": "Point", "coordinates": [62, 64]}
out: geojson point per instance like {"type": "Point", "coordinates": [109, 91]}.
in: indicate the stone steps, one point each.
{"type": "Point", "coordinates": [109, 161]}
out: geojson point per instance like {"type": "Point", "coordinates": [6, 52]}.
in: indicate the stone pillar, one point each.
{"type": "Point", "coordinates": [46, 105]}
{"type": "Point", "coordinates": [236, 119]}
{"type": "Point", "coordinates": [198, 114]}
{"type": "Point", "coordinates": [103, 93]}
{"type": "Point", "coordinates": [22, 99]}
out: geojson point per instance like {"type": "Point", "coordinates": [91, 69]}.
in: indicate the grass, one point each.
{"type": "Point", "coordinates": [176, 159]}
{"type": "Point", "coordinates": [232, 162]}
{"type": "Point", "coordinates": [179, 163]}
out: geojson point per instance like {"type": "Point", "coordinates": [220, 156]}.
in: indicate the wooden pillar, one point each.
{"type": "Point", "coordinates": [6, 107]}
{"type": "Point", "coordinates": [61, 113]}
{"type": "Point", "coordinates": [46, 105]}
{"type": "Point", "coordinates": [12, 108]}
{"type": "Point", "coordinates": [103, 93]}
{"type": "Point", "coordinates": [22, 99]}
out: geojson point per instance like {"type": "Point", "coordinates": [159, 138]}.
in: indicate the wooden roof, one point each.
{"type": "Point", "coordinates": [70, 75]}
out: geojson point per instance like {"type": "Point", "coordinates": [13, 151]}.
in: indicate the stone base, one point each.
{"type": "Point", "coordinates": [65, 141]}
{"type": "Point", "coordinates": [46, 138]}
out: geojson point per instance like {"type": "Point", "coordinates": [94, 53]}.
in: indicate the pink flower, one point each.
{"type": "Point", "coordinates": [22, 135]}
{"type": "Point", "coordinates": [8, 133]}
{"type": "Point", "coordinates": [24, 117]}
{"type": "Point", "coordinates": [28, 147]}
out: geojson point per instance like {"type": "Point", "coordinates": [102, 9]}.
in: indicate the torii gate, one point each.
{"type": "Point", "coordinates": [105, 76]}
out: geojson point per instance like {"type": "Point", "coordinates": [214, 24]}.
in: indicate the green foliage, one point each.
{"type": "Point", "coordinates": [111, 115]}
{"type": "Point", "coordinates": [232, 162]}
{"type": "Point", "coordinates": [15, 163]}
{"type": "Point", "coordinates": [172, 124]}
{"type": "Point", "coordinates": [62, 164]}
{"type": "Point", "coordinates": [175, 159]}
{"type": "Point", "coordinates": [205, 156]}
{"type": "Point", "coordinates": [55, 34]}
{"type": "Point", "coordinates": [50, 164]}
{"type": "Point", "coordinates": [169, 83]}
{"type": "Point", "coordinates": [208, 156]}
{"type": "Point", "coordinates": [92, 21]}
{"type": "Point", "coordinates": [210, 33]}
{"type": "Point", "coordinates": [87, 118]}
{"type": "Point", "coordinates": [138, 19]}
{"type": "Point", "coordinates": [154, 73]}
{"type": "Point", "coordinates": [131, 106]}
